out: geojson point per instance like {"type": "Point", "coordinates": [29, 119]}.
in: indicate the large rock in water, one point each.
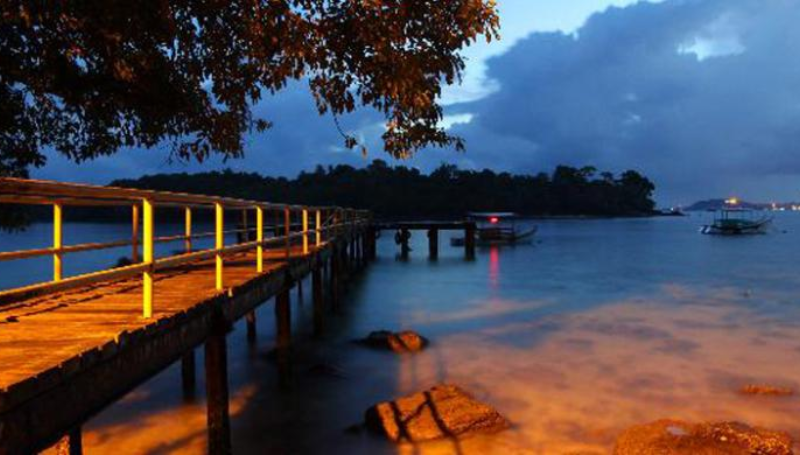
{"type": "Point", "coordinates": [445, 411]}
{"type": "Point", "coordinates": [671, 437]}
{"type": "Point", "coordinates": [405, 341]}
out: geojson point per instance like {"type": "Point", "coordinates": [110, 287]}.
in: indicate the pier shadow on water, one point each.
{"type": "Point", "coordinates": [572, 343]}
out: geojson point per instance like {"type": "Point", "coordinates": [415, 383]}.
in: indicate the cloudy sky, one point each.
{"type": "Point", "coordinates": [703, 96]}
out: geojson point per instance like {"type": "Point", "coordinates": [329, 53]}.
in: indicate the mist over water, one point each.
{"type": "Point", "coordinates": [598, 326]}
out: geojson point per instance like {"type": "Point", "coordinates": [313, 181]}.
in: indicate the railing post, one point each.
{"type": "Point", "coordinates": [135, 233]}
{"type": "Point", "coordinates": [287, 227]}
{"type": "Point", "coordinates": [318, 228]}
{"type": "Point", "coordinates": [58, 232]}
{"type": "Point", "coordinates": [260, 239]}
{"type": "Point", "coordinates": [147, 243]}
{"type": "Point", "coordinates": [187, 242]}
{"type": "Point", "coordinates": [219, 243]}
{"type": "Point", "coordinates": [305, 231]}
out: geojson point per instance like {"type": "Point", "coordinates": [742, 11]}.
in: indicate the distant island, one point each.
{"type": "Point", "coordinates": [403, 192]}
{"type": "Point", "coordinates": [718, 204]}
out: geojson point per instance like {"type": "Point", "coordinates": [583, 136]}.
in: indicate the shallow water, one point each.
{"type": "Point", "coordinates": [600, 325]}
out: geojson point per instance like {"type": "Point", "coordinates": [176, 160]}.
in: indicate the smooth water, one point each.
{"type": "Point", "coordinates": [597, 326]}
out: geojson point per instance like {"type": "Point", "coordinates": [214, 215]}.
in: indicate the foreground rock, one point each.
{"type": "Point", "coordinates": [766, 390]}
{"type": "Point", "coordinates": [671, 437]}
{"type": "Point", "coordinates": [445, 411]}
{"type": "Point", "coordinates": [405, 341]}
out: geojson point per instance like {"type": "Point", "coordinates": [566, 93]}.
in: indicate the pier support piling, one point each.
{"type": "Point", "coordinates": [469, 242]}
{"type": "Point", "coordinates": [251, 327]}
{"type": "Point", "coordinates": [433, 244]}
{"type": "Point", "coordinates": [188, 377]}
{"type": "Point", "coordinates": [219, 431]}
{"type": "Point", "coordinates": [334, 278]}
{"type": "Point", "coordinates": [319, 303]}
{"type": "Point", "coordinates": [283, 319]}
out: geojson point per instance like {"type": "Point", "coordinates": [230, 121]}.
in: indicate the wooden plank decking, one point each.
{"type": "Point", "coordinates": [73, 352]}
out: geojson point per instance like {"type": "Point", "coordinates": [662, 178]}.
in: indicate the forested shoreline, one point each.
{"type": "Point", "coordinates": [402, 192]}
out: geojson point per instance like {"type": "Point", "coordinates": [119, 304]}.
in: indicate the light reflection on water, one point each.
{"type": "Point", "coordinates": [602, 325]}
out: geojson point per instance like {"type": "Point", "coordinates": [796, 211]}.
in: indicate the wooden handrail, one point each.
{"type": "Point", "coordinates": [327, 221]}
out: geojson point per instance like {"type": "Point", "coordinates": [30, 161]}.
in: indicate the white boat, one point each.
{"type": "Point", "coordinates": [497, 228]}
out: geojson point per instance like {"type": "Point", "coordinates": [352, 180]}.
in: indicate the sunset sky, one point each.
{"type": "Point", "coordinates": [703, 96]}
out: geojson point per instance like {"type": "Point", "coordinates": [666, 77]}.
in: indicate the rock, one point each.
{"type": "Point", "coordinates": [405, 341]}
{"type": "Point", "coordinates": [445, 411]}
{"type": "Point", "coordinates": [672, 437]}
{"type": "Point", "coordinates": [766, 390]}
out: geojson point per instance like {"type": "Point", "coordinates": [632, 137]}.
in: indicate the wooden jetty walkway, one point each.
{"type": "Point", "coordinates": [70, 346]}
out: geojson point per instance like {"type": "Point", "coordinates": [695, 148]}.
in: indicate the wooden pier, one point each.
{"type": "Point", "coordinates": [70, 346]}
{"type": "Point", "coordinates": [403, 234]}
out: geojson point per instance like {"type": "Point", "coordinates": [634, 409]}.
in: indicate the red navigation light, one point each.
{"type": "Point", "coordinates": [494, 220]}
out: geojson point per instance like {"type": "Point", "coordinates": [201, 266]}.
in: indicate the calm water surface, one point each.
{"type": "Point", "coordinates": [600, 325]}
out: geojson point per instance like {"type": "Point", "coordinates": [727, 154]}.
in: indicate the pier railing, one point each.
{"type": "Point", "coordinates": [296, 229]}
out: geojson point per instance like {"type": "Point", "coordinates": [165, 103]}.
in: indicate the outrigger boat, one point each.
{"type": "Point", "coordinates": [497, 229]}
{"type": "Point", "coordinates": [737, 221]}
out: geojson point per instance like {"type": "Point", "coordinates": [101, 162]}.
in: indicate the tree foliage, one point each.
{"type": "Point", "coordinates": [401, 192]}
{"type": "Point", "coordinates": [90, 77]}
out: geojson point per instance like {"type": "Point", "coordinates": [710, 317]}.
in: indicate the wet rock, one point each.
{"type": "Point", "coordinates": [766, 390]}
{"type": "Point", "coordinates": [445, 411]}
{"type": "Point", "coordinates": [672, 437]}
{"type": "Point", "coordinates": [405, 341]}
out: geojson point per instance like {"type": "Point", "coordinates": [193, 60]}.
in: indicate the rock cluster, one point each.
{"type": "Point", "coordinates": [671, 437]}
{"type": "Point", "coordinates": [444, 411]}
{"type": "Point", "coordinates": [401, 342]}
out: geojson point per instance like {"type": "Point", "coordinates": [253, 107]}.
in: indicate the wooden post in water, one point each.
{"type": "Point", "coordinates": [433, 243]}
{"type": "Point", "coordinates": [300, 291]}
{"type": "Point", "coordinates": [318, 298]}
{"type": "Point", "coordinates": [251, 327]}
{"type": "Point", "coordinates": [283, 317]}
{"type": "Point", "coordinates": [188, 378]}
{"type": "Point", "coordinates": [469, 241]}
{"type": "Point", "coordinates": [405, 235]}
{"type": "Point", "coordinates": [335, 268]}
{"type": "Point", "coordinates": [71, 443]}
{"type": "Point", "coordinates": [219, 431]}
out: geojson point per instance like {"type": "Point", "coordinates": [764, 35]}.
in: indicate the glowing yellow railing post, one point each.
{"type": "Point", "coordinates": [187, 243]}
{"type": "Point", "coordinates": [260, 239]}
{"type": "Point", "coordinates": [305, 231]}
{"type": "Point", "coordinates": [318, 228]}
{"type": "Point", "coordinates": [57, 242]}
{"type": "Point", "coordinates": [220, 241]}
{"type": "Point", "coordinates": [135, 233]}
{"type": "Point", "coordinates": [287, 228]}
{"type": "Point", "coordinates": [148, 256]}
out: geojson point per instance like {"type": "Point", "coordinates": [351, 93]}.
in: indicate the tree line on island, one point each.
{"type": "Point", "coordinates": [402, 192]}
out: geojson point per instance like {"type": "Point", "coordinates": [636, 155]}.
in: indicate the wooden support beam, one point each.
{"type": "Point", "coordinates": [405, 235]}
{"type": "Point", "coordinates": [287, 227]}
{"type": "Point", "coordinates": [219, 431]}
{"type": "Point", "coordinates": [318, 300]}
{"type": "Point", "coordinates": [305, 231]}
{"type": "Point", "coordinates": [148, 257]}
{"type": "Point", "coordinates": [58, 242]}
{"type": "Point", "coordinates": [335, 271]}
{"type": "Point", "coordinates": [260, 239]}
{"type": "Point", "coordinates": [135, 233]}
{"type": "Point", "coordinates": [219, 244]}
{"type": "Point", "coordinates": [300, 291]}
{"type": "Point", "coordinates": [187, 230]}
{"type": "Point", "coordinates": [433, 244]}
{"type": "Point", "coordinates": [188, 376]}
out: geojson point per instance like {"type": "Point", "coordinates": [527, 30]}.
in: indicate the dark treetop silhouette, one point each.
{"type": "Point", "coordinates": [400, 192]}
{"type": "Point", "coordinates": [89, 77]}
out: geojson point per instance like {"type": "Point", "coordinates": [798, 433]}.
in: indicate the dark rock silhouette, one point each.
{"type": "Point", "coordinates": [445, 411]}
{"type": "Point", "coordinates": [400, 342]}
{"type": "Point", "coordinates": [672, 437]}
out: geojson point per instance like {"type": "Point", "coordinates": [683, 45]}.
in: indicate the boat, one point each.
{"type": "Point", "coordinates": [496, 228]}
{"type": "Point", "coordinates": [737, 221]}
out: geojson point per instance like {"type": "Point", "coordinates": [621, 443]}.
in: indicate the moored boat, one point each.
{"type": "Point", "coordinates": [737, 221]}
{"type": "Point", "coordinates": [497, 228]}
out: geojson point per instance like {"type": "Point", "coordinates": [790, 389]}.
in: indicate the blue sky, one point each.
{"type": "Point", "coordinates": [703, 96]}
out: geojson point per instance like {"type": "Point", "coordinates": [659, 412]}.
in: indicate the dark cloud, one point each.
{"type": "Point", "coordinates": [703, 95]}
